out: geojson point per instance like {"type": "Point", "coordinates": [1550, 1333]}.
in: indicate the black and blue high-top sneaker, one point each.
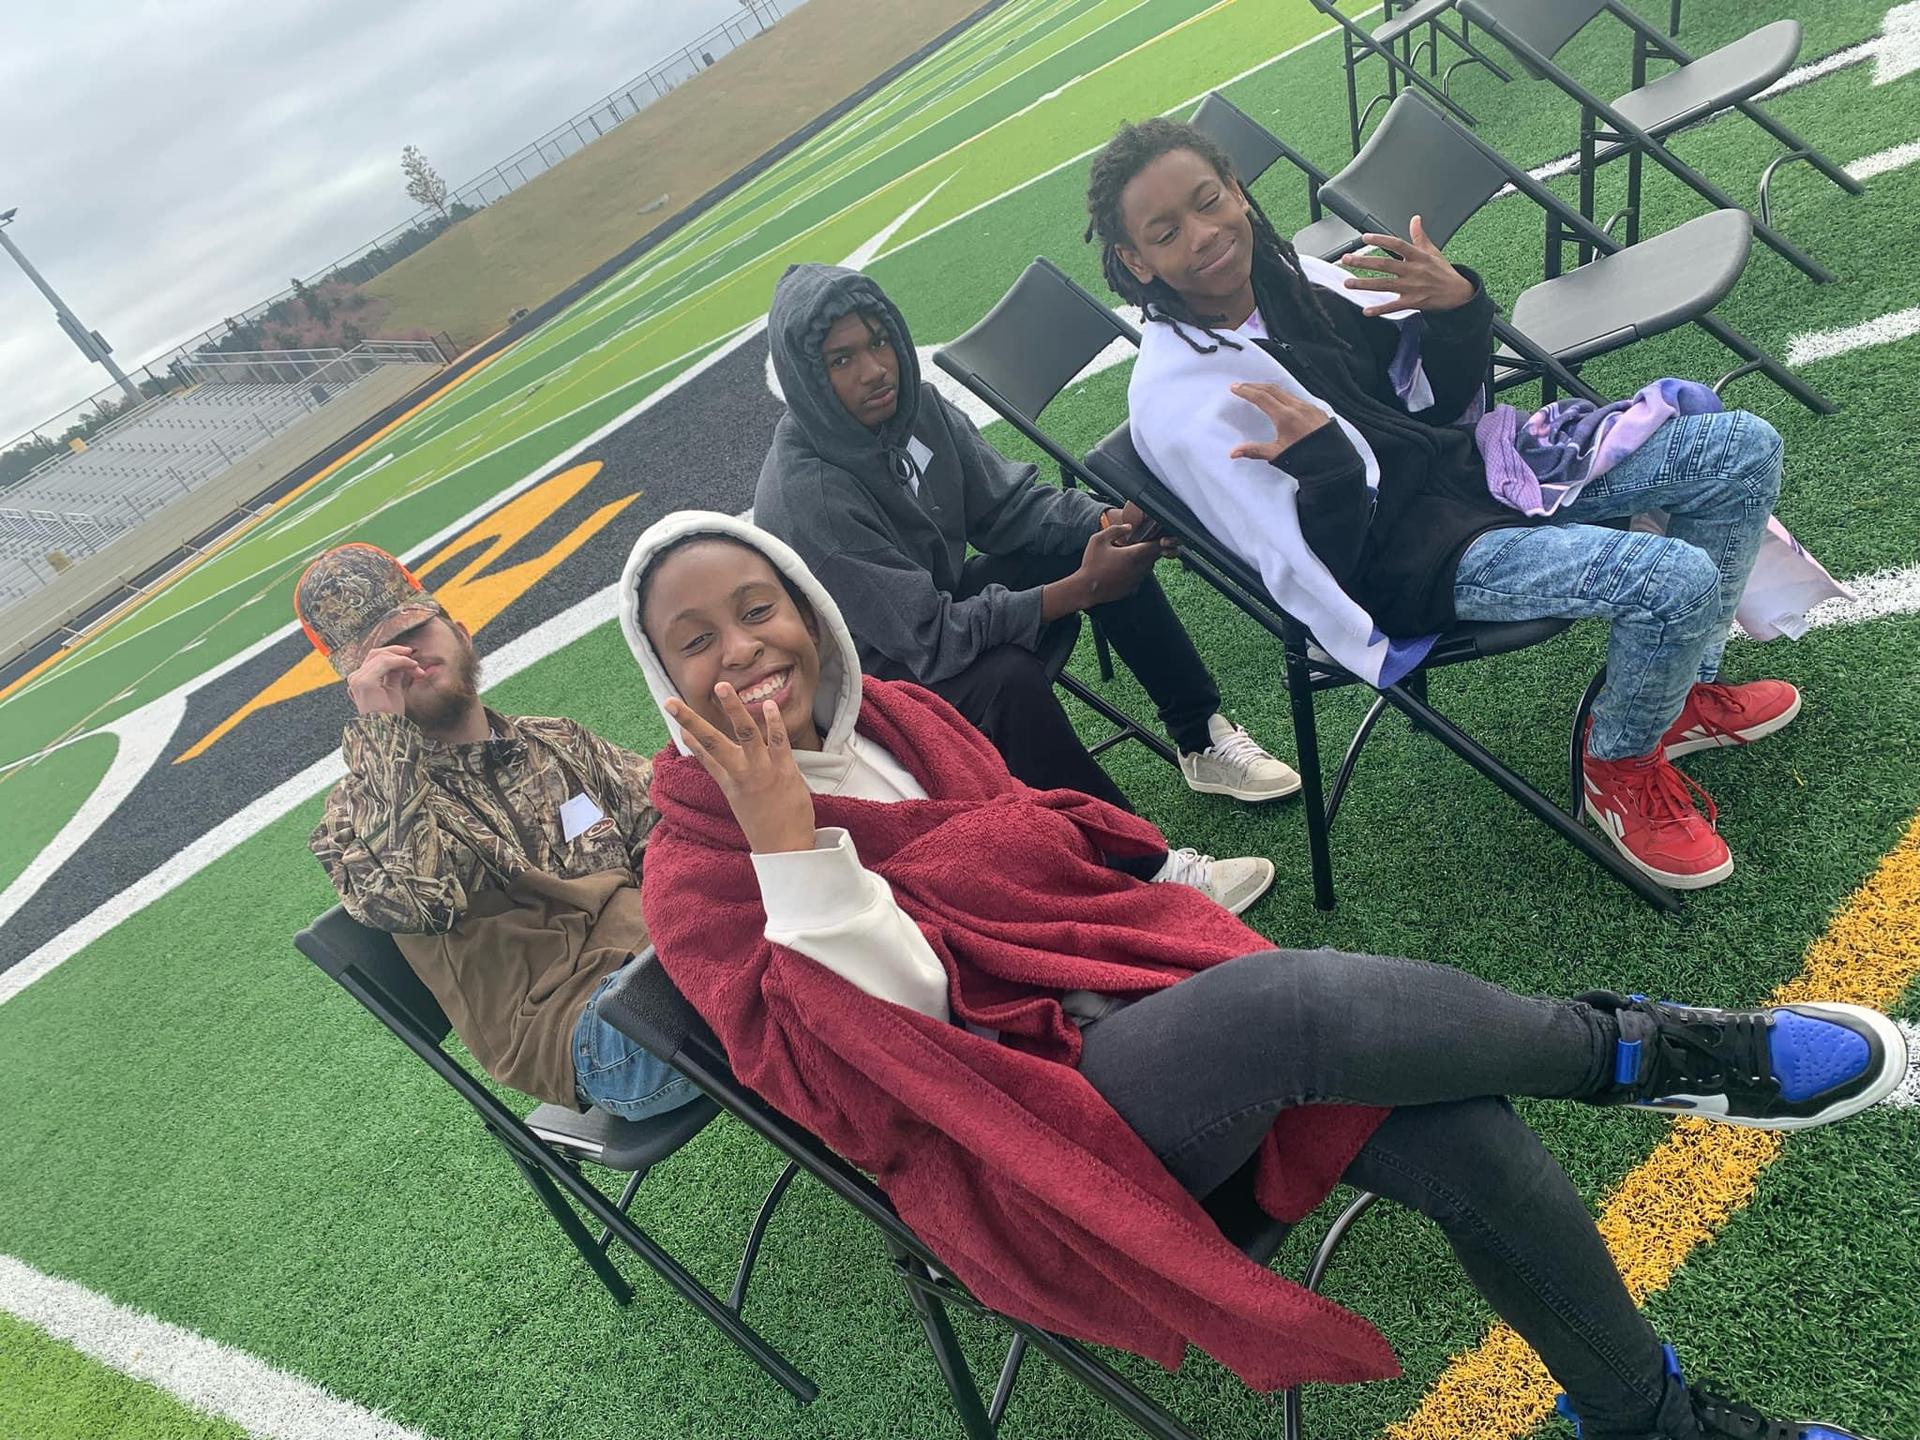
{"type": "Point", "coordinates": [1790, 1067]}
{"type": "Point", "coordinates": [1717, 1418]}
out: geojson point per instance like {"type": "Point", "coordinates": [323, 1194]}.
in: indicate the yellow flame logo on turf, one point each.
{"type": "Point", "coordinates": [473, 594]}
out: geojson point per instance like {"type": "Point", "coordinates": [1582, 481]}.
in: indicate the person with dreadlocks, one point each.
{"type": "Point", "coordinates": [884, 486]}
{"type": "Point", "coordinates": [1331, 430]}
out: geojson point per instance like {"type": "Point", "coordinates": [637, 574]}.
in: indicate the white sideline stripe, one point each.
{"type": "Point", "coordinates": [1907, 1096]}
{"type": "Point", "coordinates": [502, 664]}
{"type": "Point", "coordinates": [210, 1377]}
{"type": "Point", "coordinates": [1875, 596]}
{"type": "Point", "coordinates": [1881, 161]}
{"type": "Point", "coordinates": [1881, 330]}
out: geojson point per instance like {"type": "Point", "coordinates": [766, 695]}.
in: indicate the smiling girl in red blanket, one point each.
{"type": "Point", "coordinates": [1046, 1061]}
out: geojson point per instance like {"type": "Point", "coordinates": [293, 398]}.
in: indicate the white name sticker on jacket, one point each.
{"type": "Point", "coordinates": [579, 815]}
{"type": "Point", "coordinates": [920, 454]}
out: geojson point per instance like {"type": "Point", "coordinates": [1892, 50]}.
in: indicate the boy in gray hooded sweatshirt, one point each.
{"type": "Point", "coordinates": [881, 486]}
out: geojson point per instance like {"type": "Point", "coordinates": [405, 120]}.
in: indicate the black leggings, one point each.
{"type": "Point", "coordinates": [1200, 1069]}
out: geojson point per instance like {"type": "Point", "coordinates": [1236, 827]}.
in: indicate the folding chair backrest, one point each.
{"type": "Point", "coordinates": [351, 952]}
{"type": "Point", "coordinates": [1543, 25]}
{"type": "Point", "coordinates": [1028, 348]}
{"type": "Point", "coordinates": [1251, 148]}
{"type": "Point", "coordinates": [1416, 162]}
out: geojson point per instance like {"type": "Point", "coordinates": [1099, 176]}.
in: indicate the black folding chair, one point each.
{"type": "Point", "coordinates": [1252, 150]}
{"type": "Point", "coordinates": [548, 1147]}
{"type": "Point", "coordinates": [1056, 649]}
{"type": "Point", "coordinates": [1029, 348]}
{"type": "Point", "coordinates": [1392, 41]}
{"type": "Point", "coordinates": [1418, 162]}
{"type": "Point", "coordinates": [1636, 123]}
{"type": "Point", "coordinates": [645, 1005]}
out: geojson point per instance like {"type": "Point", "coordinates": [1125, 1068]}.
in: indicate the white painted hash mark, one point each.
{"type": "Point", "coordinates": [1881, 330]}
{"type": "Point", "coordinates": [1881, 161]}
{"type": "Point", "coordinates": [201, 1373]}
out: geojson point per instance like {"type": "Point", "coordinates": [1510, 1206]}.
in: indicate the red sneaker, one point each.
{"type": "Point", "coordinates": [1717, 714]}
{"type": "Point", "coordinates": [1646, 808]}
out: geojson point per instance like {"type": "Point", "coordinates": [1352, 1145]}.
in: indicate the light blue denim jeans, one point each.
{"type": "Point", "coordinates": [1670, 597]}
{"type": "Point", "coordinates": [618, 1075]}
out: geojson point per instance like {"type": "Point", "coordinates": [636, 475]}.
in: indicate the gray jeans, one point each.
{"type": "Point", "coordinates": [1200, 1069]}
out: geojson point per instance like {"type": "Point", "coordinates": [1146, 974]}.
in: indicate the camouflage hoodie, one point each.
{"type": "Point", "coordinates": [420, 839]}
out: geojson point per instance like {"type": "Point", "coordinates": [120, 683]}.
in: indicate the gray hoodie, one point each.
{"type": "Point", "coordinates": [844, 496]}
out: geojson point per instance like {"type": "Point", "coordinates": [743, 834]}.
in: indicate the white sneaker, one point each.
{"type": "Point", "coordinates": [1234, 764]}
{"type": "Point", "coordinates": [1233, 884]}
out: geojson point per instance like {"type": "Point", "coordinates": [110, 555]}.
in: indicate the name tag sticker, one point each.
{"type": "Point", "coordinates": [921, 453]}
{"type": "Point", "coordinates": [578, 815]}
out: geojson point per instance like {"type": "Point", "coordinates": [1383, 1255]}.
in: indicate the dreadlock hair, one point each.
{"type": "Point", "coordinates": [1276, 265]}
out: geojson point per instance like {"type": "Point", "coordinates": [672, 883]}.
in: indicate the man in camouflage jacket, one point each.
{"type": "Point", "coordinates": [468, 834]}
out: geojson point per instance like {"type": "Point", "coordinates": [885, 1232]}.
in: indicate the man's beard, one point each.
{"type": "Point", "coordinates": [448, 707]}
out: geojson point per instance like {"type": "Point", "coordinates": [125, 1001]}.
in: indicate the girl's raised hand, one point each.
{"type": "Point", "coordinates": [757, 773]}
{"type": "Point", "coordinates": [1415, 273]}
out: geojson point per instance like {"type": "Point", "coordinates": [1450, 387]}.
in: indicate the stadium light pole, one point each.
{"type": "Point", "coordinates": [92, 343]}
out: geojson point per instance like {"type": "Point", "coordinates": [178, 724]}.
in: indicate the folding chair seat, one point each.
{"type": "Point", "coordinates": [644, 1004]}
{"type": "Point", "coordinates": [1042, 333]}
{"type": "Point", "coordinates": [548, 1147]}
{"type": "Point", "coordinates": [1392, 41]}
{"type": "Point", "coordinates": [1417, 162]}
{"type": "Point", "coordinates": [1252, 150]}
{"type": "Point", "coordinates": [1635, 123]}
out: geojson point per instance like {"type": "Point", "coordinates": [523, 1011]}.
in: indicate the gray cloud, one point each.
{"type": "Point", "coordinates": [174, 163]}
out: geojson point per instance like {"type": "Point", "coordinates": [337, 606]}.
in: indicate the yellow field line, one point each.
{"type": "Point", "coordinates": [1699, 1177]}
{"type": "Point", "coordinates": [245, 528]}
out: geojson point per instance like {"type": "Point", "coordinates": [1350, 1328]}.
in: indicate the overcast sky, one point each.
{"type": "Point", "coordinates": [174, 163]}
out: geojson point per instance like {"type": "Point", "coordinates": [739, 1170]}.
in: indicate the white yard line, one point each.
{"type": "Point", "coordinates": [1881, 330]}
{"type": "Point", "coordinates": [1881, 161]}
{"type": "Point", "coordinates": [212, 1378]}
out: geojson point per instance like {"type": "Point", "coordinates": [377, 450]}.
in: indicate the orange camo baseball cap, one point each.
{"type": "Point", "coordinates": [352, 596]}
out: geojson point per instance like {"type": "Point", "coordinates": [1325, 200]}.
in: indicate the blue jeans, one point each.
{"type": "Point", "coordinates": [1670, 597]}
{"type": "Point", "coordinates": [615, 1074]}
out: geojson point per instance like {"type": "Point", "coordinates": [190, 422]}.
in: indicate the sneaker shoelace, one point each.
{"type": "Point", "coordinates": [1187, 866]}
{"type": "Point", "coordinates": [1663, 793]}
{"type": "Point", "coordinates": [1722, 1419]}
{"type": "Point", "coordinates": [1728, 699]}
{"type": "Point", "coordinates": [1699, 1051]}
{"type": "Point", "coordinates": [1239, 749]}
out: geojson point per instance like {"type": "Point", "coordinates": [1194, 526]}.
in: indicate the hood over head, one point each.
{"type": "Point", "coordinates": [807, 302]}
{"type": "Point", "coordinates": [836, 705]}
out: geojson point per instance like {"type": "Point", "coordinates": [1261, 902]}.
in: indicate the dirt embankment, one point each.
{"type": "Point", "coordinates": [533, 243]}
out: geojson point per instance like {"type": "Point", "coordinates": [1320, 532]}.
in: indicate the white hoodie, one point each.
{"type": "Point", "coordinates": [823, 903]}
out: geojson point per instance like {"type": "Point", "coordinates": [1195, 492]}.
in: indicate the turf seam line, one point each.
{"type": "Point", "coordinates": [212, 1378]}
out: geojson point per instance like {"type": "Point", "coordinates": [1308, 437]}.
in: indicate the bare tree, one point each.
{"type": "Point", "coordinates": [424, 185]}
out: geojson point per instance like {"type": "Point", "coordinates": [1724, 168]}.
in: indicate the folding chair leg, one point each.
{"type": "Point", "coordinates": [1130, 729]}
{"type": "Point", "coordinates": [1532, 801]}
{"type": "Point", "coordinates": [737, 1297]}
{"type": "Point", "coordinates": [1306, 740]}
{"type": "Point", "coordinates": [1352, 757]}
{"type": "Point", "coordinates": [1009, 1372]}
{"type": "Point", "coordinates": [1101, 652]}
{"type": "Point", "coordinates": [569, 1222]}
{"type": "Point", "coordinates": [1799, 147]}
{"type": "Point", "coordinates": [1316, 1272]}
{"type": "Point", "coordinates": [1112, 1387]}
{"type": "Point", "coordinates": [1760, 361]}
{"type": "Point", "coordinates": [945, 1346]}
{"type": "Point", "coordinates": [1577, 750]}
{"type": "Point", "coordinates": [625, 1202]}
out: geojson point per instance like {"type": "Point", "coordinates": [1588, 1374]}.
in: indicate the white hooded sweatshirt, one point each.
{"type": "Point", "coordinates": [822, 902]}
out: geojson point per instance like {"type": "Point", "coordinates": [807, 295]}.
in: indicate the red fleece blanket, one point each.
{"type": "Point", "coordinates": [1025, 1182]}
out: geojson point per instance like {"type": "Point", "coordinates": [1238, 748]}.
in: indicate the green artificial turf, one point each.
{"type": "Point", "coordinates": [282, 1176]}
{"type": "Point", "coordinates": [41, 796]}
{"type": "Point", "coordinates": [50, 1391]}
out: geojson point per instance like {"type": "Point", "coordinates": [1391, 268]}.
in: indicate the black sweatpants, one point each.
{"type": "Point", "coordinates": [1200, 1069]}
{"type": "Point", "coordinates": [1008, 696]}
